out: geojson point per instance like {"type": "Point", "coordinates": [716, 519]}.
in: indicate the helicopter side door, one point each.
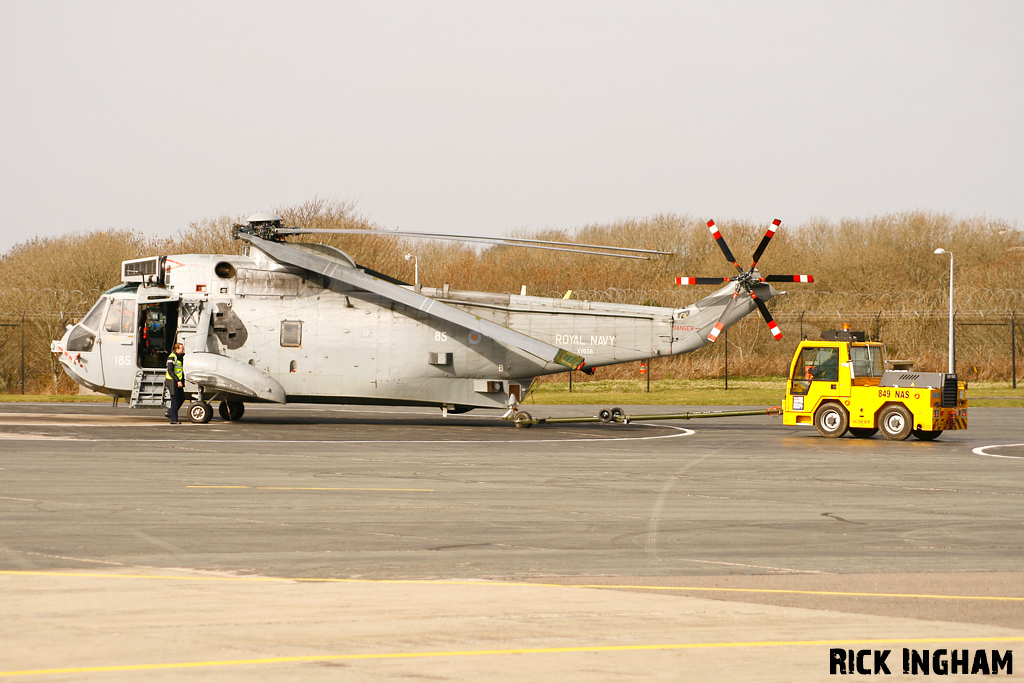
{"type": "Point", "coordinates": [83, 347]}
{"type": "Point", "coordinates": [117, 342]}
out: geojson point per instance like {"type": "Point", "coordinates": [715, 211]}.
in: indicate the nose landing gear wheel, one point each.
{"type": "Point", "coordinates": [199, 412]}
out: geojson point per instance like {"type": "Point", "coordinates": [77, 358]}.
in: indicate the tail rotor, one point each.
{"type": "Point", "coordinates": [746, 280]}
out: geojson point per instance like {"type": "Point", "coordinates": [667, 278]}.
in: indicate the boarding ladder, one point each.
{"type": "Point", "coordinates": [148, 391]}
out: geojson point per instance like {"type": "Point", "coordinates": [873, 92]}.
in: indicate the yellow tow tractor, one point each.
{"type": "Point", "coordinates": [842, 383]}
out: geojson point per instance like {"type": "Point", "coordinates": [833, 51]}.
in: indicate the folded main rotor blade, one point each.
{"type": "Point", "coordinates": [701, 280]}
{"type": "Point", "coordinates": [721, 243]}
{"type": "Point", "coordinates": [505, 241]}
{"type": "Point", "coordinates": [291, 255]}
{"type": "Point", "coordinates": [719, 326]}
{"type": "Point", "coordinates": [772, 327]}
{"type": "Point", "coordinates": [764, 242]}
{"type": "Point", "coordinates": [787, 278]}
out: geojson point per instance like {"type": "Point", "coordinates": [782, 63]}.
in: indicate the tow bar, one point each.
{"type": "Point", "coordinates": [617, 416]}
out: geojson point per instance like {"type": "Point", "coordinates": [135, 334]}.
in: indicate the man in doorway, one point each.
{"type": "Point", "coordinates": [175, 381]}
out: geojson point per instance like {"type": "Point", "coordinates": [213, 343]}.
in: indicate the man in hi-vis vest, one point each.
{"type": "Point", "coordinates": [175, 381]}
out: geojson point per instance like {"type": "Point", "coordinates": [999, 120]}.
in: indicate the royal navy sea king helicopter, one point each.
{"type": "Point", "coordinates": [296, 322]}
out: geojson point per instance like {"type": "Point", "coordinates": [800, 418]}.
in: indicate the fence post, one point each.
{"type": "Point", "coordinates": [1013, 346]}
{"type": "Point", "coordinates": [23, 353]}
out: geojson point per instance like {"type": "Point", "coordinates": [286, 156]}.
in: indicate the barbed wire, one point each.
{"type": "Point", "coordinates": [978, 300]}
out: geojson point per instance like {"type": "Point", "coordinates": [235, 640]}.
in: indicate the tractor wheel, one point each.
{"type": "Point", "coordinates": [926, 434]}
{"type": "Point", "coordinates": [896, 422]}
{"type": "Point", "coordinates": [832, 420]}
{"type": "Point", "coordinates": [199, 412]}
{"type": "Point", "coordinates": [230, 411]}
{"type": "Point", "coordinates": [863, 432]}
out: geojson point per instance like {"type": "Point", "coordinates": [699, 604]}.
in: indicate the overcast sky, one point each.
{"type": "Point", "coordinates": [490, 116]}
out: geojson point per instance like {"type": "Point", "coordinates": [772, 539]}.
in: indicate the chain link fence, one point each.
{"type": "Point", "coordinates": [913, 324]}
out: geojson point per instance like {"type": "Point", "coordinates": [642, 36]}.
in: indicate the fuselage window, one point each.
{"type": "Point", "coordinates": [291, 333]}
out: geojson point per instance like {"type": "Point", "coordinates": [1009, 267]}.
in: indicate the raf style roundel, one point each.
{"type": "Point", "coordinates": [475, 337]}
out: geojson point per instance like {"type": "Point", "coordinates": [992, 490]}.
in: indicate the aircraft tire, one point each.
{"type": "Point", "coordinates": [863, 432]}
{"type": "Point", "coordinates": [926, 434]}
{"type": "Point", "coordinates": [605, 416]}
{"type": "Point", "coordinates": [199, 412]}
{"type": "Point", "coordinates": [896, 423]}
{"type": "Point", "coordinates": [617, 414]}
{"type": "Point", "coordinates": [231, 411]}
{"type": "Point", "coordinates": [832, 420]}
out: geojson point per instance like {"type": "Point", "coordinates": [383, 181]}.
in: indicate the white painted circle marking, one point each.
{"type": "Point", "coordinates": [981, 451]}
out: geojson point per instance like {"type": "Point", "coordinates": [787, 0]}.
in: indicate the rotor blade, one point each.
{"type": "Point", "coordinates": [787, 278]}
{"type": "Point", "coordinates": [701, 280]}
{"type": "Point", "coordinates": [291, 255]}
{"type": "Point", "coordinates": [721, 243]}
{"type": "Point", "coordinates": [504, 241]}
{"type": "Point", "coordinates": [772, 327]}
{"type": "Point", "coordinates": [764, 242]}
{"type": "Point", "coordinates": [719, 326]}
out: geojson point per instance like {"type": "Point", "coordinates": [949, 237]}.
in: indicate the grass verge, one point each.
{"type": "Point", "coordinates": [766, 391]}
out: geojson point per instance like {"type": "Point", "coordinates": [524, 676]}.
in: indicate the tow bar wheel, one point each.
{"type": "Point", "coordinates": [522, 419]}
{"type": "Point", "coordinates": [199, 412]}
{"type": "Point", "coordinates": [832, 420]}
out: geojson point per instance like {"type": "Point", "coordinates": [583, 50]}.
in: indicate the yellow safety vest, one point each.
{"type": "Point", "coordinates": [179, 372]}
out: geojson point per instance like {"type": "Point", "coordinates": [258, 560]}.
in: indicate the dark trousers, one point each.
{"type": "Point", "coordinates": [177, 395]}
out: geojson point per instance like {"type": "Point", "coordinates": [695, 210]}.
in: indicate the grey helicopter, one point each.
{"type": "Point", "coordinates": [300, 322]}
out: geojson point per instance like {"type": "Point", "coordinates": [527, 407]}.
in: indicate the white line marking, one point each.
{"type": "Point", "coordinates": [981, 451]}
{"type": "Point", "coordinates": [680, 431]}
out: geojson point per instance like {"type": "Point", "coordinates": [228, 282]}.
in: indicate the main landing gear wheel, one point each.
{"type": "Point", "coordinates": [231, 410]}
{"type": "Point", "coordinates": [863, 432]}
{"type": "Point", "coordinates": [896, 423]}
{"type": "Point", "coordinates": [522, 419]}
{"type": "Point", "coordinates": [926, 434]}
{"type": "Point", "coordinates": [199, 412]}
{"type": "Point", "coordinates": [832, 420]}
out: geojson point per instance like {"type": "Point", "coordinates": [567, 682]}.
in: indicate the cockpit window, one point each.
{"type": "Point", "coordinates": [113, 321]}
{"type": "Point", "coordinates": [92, 318]}
{"type": "Point", "coordinates": [120, 317]}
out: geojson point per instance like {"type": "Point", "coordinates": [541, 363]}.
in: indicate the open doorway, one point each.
{"type": "Point", "coordinates": [158, 324]}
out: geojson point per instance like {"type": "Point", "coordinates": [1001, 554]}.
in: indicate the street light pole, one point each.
{"type": "Point", "coordinates": [952, 357]}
